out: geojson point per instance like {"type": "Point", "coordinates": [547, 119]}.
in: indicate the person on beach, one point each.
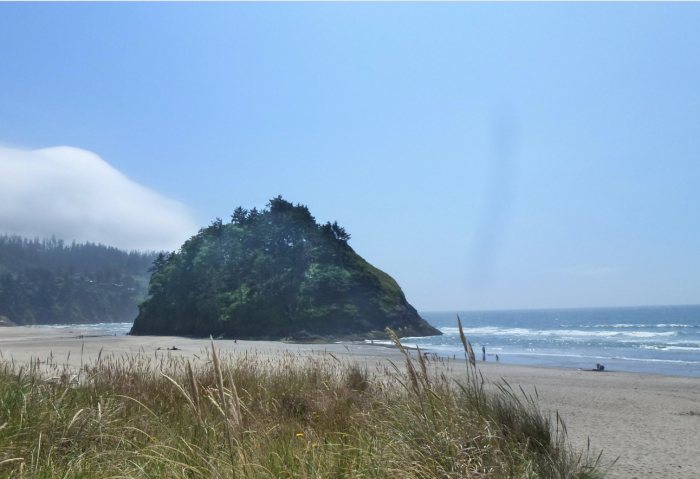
{"type": "Point", "coordinates": [483, 352]}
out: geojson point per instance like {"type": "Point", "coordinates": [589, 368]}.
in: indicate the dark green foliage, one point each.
{"type": "Point", "coordinates": [274, 273]}
{"type": "Point", "coordinates": [49, 282]}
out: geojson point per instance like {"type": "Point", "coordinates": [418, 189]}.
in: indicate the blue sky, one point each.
{"type": "Point", "coordinates": [488, 156]}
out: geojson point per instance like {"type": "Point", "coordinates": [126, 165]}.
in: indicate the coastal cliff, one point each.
{"type": "Point", "coordinates": [274, 274]}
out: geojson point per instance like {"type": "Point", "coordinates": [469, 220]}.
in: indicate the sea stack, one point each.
{"type": "Point", "coordinates": [274, 274]}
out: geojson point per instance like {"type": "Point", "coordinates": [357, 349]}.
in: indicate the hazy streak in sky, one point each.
{"type": "Point", "coordinates": [496, 204]}
{"type": "Point", "coordinates": [75, 195]}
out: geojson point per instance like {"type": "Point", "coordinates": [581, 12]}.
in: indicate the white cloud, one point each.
{"type": "Point", "coordinates": [75, 195]}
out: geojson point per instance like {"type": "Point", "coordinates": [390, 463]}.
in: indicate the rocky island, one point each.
{"type": "Point", "coordinates": [274, 274]}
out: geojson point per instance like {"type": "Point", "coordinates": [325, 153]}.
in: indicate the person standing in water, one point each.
{"type": "Point", "coordinates": [483, 352]}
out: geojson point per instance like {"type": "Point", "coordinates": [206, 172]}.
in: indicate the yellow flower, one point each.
{"type": "Point", "coordinates": [300, 435]}
{"type": "Point", "coordinates": [314, 444]}
{"type": "Point", "coordinates": [154, 438]}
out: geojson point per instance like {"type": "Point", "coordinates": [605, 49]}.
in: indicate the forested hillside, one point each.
{"type": "Point", "coordinates": [273, 273]}
{"type": "Point", "coordinates": [50, 282]}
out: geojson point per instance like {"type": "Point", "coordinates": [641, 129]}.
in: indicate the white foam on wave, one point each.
{"type": "Point", "coordinates": [453, 349]}
{"type": "Point", "coordinates": [620, 358]}
{"type": "Point", "coordinates": [84, 326]}
{"type": "Point", "coordinates": [643, 341]}
{"type": "Point", "coordinates": [640, 326]}
{"type": "Point", "coordinates": [670, 348]}
{"type": "Point", "coordinates": [96, 328]}
{"type": "Point", "coordinates": [565, 333]}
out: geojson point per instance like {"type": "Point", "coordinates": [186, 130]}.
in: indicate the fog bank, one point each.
{"type": "Point", "coordinates": [75, 195]}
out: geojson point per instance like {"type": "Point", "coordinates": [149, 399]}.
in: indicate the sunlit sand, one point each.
{"type": "Point", "coordinates": [650, 421]}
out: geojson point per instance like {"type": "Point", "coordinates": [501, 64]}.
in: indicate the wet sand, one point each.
{"type": "Point", "coordinates": [651, 421]}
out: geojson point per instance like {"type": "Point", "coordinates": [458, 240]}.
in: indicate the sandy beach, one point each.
{"type": "Point", "coordinates": [652, 422]}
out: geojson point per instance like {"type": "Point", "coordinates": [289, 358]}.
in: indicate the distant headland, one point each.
{"type": "Point", "coordinates": [274, 274]}
{"type": "Point", "coordinates": [49, 281]}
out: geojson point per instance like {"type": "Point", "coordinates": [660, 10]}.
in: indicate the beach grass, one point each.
{"type": "Point", "coordinates": [286, 415]}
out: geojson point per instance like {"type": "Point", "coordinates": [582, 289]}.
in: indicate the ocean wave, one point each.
{"type": "Point", "coordinates": [96, 328]}
{"type": "Point", "coordinates": [565, 333]}
{"type": "Point", "coordinates": [640, 326]}
{"type": "Point", "coordinates": [607, 358]}
{"type": "Point", "coordinates": [670, 348]}
{"type": "Point", "coordinates": [83, 326]}
{"type": "Point", "coordinates": [457, 349]}
{"type": "Point", "coordinates": [688, 344]}
{"type": "Point", "coordinates": [684, 340]}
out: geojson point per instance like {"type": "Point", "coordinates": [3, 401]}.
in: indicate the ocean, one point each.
{"type": "Point", "coordinates": [661, 340]}
{"type": "Point", "coordinates": [92, 330]}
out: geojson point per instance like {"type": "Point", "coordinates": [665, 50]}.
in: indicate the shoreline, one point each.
{"type": "Point", "coordinates": [82, 332]}
{"type": "Point", "coordinates": [671, 362]}
{"type": "Point", "coordinates": [652, 421]}
{"type": "Point", "coordinates": [571, 362]}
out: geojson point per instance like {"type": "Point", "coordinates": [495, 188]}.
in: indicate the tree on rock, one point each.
{"type": "Point", "coordinates": [273, 273]}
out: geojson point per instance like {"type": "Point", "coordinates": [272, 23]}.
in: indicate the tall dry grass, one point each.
{"type": "Point", "coordinates": [253, 415]}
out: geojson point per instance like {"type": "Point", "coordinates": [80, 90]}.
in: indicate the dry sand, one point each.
{"type": "Point", "coordinates": [651, 421]}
